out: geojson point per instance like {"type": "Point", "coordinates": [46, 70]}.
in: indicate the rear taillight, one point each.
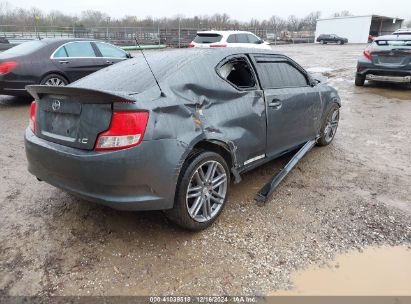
{"type": "Point", "coordinates": [218, 45]}
{"type": "Point", "coordinates": [8, 66]}
{"type": "Point", "coordinates": [126, 130]}
{"type": "Point", "coordinates": [367, 54]}
{"type": "Point", "coordinates": [191, 45]}
{"type": "Point", "coordinates": [32, 120]}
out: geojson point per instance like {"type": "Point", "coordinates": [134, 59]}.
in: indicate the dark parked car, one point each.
{"type": "Point", "coordinates": [324, 39]}
{"type": "Point", "coordinates": [115, 138]}
{"type": "Point", "coordinates": [54, 62]}
{"type": "Point", "coordinates": [387, 59]}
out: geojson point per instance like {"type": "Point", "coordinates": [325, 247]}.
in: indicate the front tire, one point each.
{"type": "Point", "coordinates": [330, 125]}
{"type": "Point", "coordinates": [202, 191]}
{"type": "Point", "coordinates": [323, 42]}
{"type": "Point", "coordinates": [54, 80]}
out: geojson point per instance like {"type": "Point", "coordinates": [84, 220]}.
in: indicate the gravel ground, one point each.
{"type": "Point", "coordinates": [352, 194]}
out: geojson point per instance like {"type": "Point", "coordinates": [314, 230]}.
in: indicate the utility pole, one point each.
{"type": "Point", "coordinates": [158, 33]}
{"type": "Point", "coordinates": [107, 37]}
{"type": "Point", "coordinates": [179, 34]}
{"type": "Point", "coordinates": [36, 18]}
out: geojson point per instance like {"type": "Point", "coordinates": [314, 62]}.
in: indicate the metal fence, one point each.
{"type": "Point", "coordinates": [174, 37]}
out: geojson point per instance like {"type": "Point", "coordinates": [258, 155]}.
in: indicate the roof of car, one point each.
{"type": "Point", "coordinates": [394, 37]}
{"type": "Point", "coordinates": [224, 52]}
{"type": "Point", "coordinates": [64, 40]}
{"type": "Point", "coordinates": [223, 32]}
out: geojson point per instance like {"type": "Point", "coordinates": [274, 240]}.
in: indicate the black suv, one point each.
{"type": "Point", "coordinates": [324, 39]}
{"type": "Point", "coordinates": [387, 59]}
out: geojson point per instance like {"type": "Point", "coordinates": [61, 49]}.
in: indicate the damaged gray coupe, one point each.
{"type": "Point", "coordinates": [172, 134]}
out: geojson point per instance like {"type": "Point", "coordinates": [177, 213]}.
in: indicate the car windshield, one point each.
{"type": "Point", "coordinates": [207, 38]}
{"type": "Point", "coordinates": [24, 48]}
{"type": "Point", "coordinates": [392, 44]}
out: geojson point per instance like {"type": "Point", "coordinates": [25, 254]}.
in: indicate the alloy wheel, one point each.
{"type": "Point", "coordinates": [55, 82]}
{"type": "Point", "coordinates": [331, 126]}
{"type": "Point", "coordinates": [206, 191]}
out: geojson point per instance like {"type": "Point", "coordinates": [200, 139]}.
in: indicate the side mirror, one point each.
{"type": "Point", "coordinates": [261, 41]}
{"type": "Point", "coordinates": [129, 55]}
{"type": "Point", "coordinates": [313, 82]}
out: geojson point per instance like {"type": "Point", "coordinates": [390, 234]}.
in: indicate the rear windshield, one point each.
{"type": "Point", "coordinates": [207, 38]}
{"type": "Point", "coordinates": [24, 48]}
{"type": "Point", "coordinates": [134, 75]}
{"type": "Point", "coordinates": [391, 44]}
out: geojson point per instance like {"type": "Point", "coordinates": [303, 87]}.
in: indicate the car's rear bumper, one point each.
{"type": "Point", "coordinates": [387, 78]}
{"type": "Point", "coordinates": [386, 74]}
{"type": "Point", "coordinates": [139, 178]}
{"type": "Point", "coordinates": [14, 87]}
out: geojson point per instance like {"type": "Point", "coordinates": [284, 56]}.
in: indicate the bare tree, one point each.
{"type": "Point", "coordinates": [310, 21]}
{"type": "Point", "coordinates": [277, 24]}
{"type": "Point", "coordinates": [343, 13]}
{"type": "Point", "coordinates": [293, 23]}
{"type": "Point", "coordinates": [93, 18]}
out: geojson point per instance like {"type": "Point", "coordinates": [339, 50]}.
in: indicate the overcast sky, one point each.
{"type": "Point", "coordinates": [242, 10]}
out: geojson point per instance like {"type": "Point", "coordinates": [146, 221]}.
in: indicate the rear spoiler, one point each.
{"type": "Point", "coordinates": [85, 95]}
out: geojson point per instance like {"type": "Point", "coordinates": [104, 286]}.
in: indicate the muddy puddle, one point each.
{"type": "Point", "coordinates": [375, 271]}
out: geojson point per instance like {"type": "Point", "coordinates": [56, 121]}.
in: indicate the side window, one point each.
{"type": "Point", "coordinates": [242, 38]}
{"type": "Point", "coordinates": [253, 39]}
{"type": "Point", "coordinates": [231, 39]}
{"type": "Point", "coordinates": [280, 75]}
{"type": "Point", "coordinates": [79, 49]}
{"type": "Point", "coordinates": [110, 51]}
{"type": "Point", "coordinates": [61, 53]}
{"type": "Point", "coordinates": [238, 72]}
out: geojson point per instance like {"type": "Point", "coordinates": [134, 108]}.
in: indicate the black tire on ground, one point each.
{"type": "Point", "coordinates": [180, 213]}
{"type": "Point", "coordinates": [359, 80]}
{"type": "Point", "coordinates": [340, 42]}
{"type": "Point", "coordinates": [323, 42]}
{"type": "Point", "coordinates": [324, 140]}
{"type": "Point", "coordinates": [54, 78]}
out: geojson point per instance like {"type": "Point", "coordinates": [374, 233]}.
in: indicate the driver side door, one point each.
{"type": "Point", "coordinates": [293, 105]}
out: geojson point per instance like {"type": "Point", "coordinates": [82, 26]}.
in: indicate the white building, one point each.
{"type": "Point", "coordinates": [358, 28]}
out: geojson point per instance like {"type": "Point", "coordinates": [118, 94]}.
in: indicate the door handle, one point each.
{"type": "Point", "coordinates": [109, 62]}
{"type": "Point", "coordinates": [275, 103]}
{"type": "Point", "coordinates": [63, 61]}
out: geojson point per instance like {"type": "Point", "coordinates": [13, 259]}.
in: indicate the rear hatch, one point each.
{"type": "Point", "coordinates": [392, 53]}
{"type": "Point", "coordinates": [70, 116]}
{"type": "Point", "coordinates": [206, 40]}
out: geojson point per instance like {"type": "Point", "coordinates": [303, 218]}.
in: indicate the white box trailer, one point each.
{"type": "Point", "coordinates": [357, 29]}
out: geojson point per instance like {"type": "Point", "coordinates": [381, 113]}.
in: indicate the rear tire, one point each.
{"type": "Point", "coordinates": [359, 80]}
{"type": "Point", "coordinates": [55, 80]}
{"type": "Point", "coordinates": [323, 42]}
{"type": "Point", "coordinates": [330, 125]}
{"type": "Point", "coordinates": [200, 197]}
